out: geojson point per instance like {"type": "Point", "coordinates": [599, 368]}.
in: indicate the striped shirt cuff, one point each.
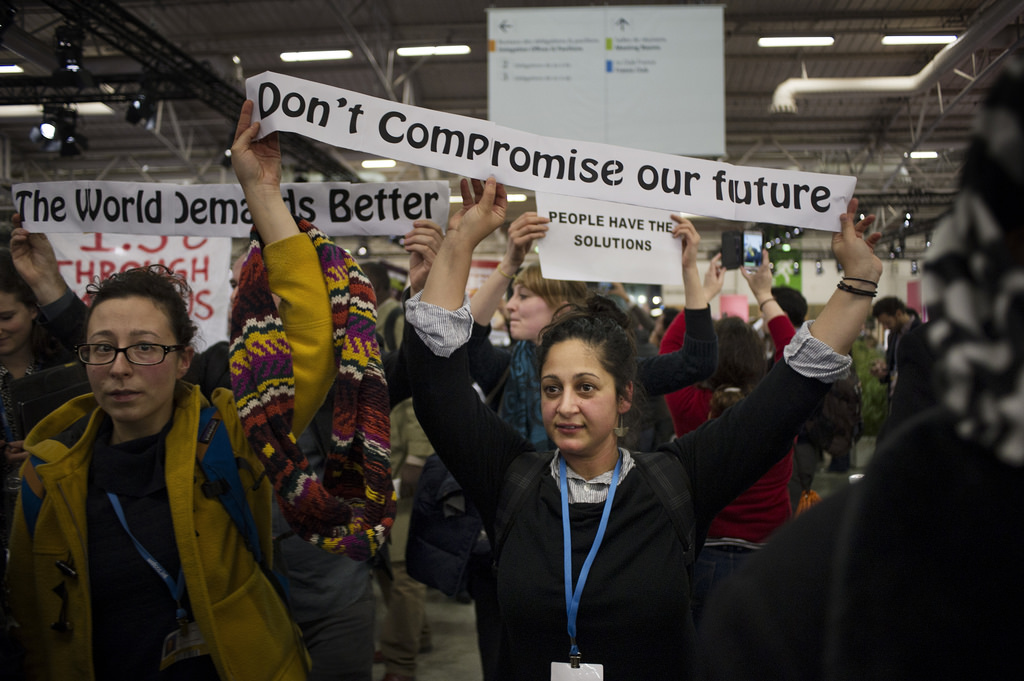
{"type": "Point", "coordinates": [812, 358]}
{"type": "Point", "coordinates": [443, 331]}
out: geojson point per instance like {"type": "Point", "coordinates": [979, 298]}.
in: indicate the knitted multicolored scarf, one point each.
{"type": "Point", "coordinates": [351, 511]}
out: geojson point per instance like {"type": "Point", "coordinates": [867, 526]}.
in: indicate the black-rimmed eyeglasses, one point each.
{"type": "Point", "coordinates": [143, 354]}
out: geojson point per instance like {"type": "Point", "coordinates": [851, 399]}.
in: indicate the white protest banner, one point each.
{"type": "Point", "coordinates": [475, 148]}
{"type": "Point", "coordinates": [205, 264]}
{"type": "Point", "coordinates": [336, 208]}
{"type": "Point", "coordinates": [601, 241]}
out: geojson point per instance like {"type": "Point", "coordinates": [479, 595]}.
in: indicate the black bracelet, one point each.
{"type": "Point", "coordinates": [856, 291]}
{"type": "Point", "coordinates": [864, 281]}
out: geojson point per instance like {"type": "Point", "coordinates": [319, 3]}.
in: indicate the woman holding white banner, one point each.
{"type": "Point", "coordinates": [557, 530]}
{"type": "Point", "coordinates": [509, 377]}
{"type": "Point", "coordinates": [128, 559]}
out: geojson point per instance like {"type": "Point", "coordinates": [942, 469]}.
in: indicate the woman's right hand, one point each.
{"type": "Point", "coordinates": [761, 279]}
{"type": "Point", "coordinates": [485, 213]}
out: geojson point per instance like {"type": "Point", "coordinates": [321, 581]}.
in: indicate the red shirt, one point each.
{"type": "Point", "coordinates": [757, 512]}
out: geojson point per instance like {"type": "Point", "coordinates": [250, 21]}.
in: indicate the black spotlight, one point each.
{"type": "Point", "coordinates": [142, 109]}
{"type": "Point", "coordinates": [7, 14]}
{"type": "Point", "coordinates": [72, 143]}
{"type": "Point", "coordinates": [70, 72]}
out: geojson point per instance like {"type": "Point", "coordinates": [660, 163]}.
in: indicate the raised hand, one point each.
{"type": "Point", "coordinates": [484, 215]}
{"type": "Point", "coordinates": [36, 263]}
{"type": "Point", "coordinates": [714, 278]}
{"type": "Point", "coordinates": [695, 299]}
{"type": "Point", "coordinates": [761, 279]}
{"type": "Point", "coordinates": [257, 165]}
{"type": "Point", "coordinates": [525, 229]}
{"type": "Point", "coordinates": [422, 244]}
{"type": "Point", "coordinates": [855, 251]}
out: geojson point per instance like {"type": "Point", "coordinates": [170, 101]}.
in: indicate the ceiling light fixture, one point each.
{"type": "Point", "coordinates": [516, 198]}
{"type": "Point", "coordinates": [317, 55]}
{"type": "Point", "coordinates": [142, 109]}
{"type": "Point", "coordinates": [58, 131]}
{"type": "Point", "coordinates": [379, 163]}
{"type": "Point", "coordinates": [68, 40]}
{"type": "Point", "coordinates": [11, 68]}
{"type": "Point", "coordinates": [433, 50]}
{"type": "Point", "coordinates": [923, 154]}
{"type": "Point", "coordinates": [796, 41]}
{"type": "Point", "coordinates": [918, 39]}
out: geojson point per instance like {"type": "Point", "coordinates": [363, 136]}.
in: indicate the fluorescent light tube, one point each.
{"type": "Point", "coordinates": [432, 50]}
{"type": "Point", "coordinates": [796, 41]}
{"type": "Point", "coordinates": [918, 39]}
{"type": "Point", "coordinates": [320, 55]}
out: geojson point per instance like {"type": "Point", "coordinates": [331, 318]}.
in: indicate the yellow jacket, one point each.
{"type": "Point", "coordinates": [249, 631]}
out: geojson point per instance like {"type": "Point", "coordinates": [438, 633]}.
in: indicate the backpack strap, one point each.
{"type": "Point", "coordinates": [32, 493]}
{"type": "Point", "coordinates": [670, 482]}
{"type": "Point", "coordinates": [520, 478]}
{"type": "Point", "coordinates": [220, 466]}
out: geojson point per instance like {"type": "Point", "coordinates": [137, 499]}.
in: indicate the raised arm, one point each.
{"type": "Point", "coordinates": [760, 283]}
{"type": "Point", "coordinates": [840, 322]}
{"type": "Point", "coordinates": [63, 313]}
{"type": "Point", "coordinates": [290, 257]}
{"type": "Point", "coordinates": [696, 355]}
{"type": "Point", "coordinates": [687, 233]}
{"type": "Point", "coordinates": [447, 284]}
{"type": "Point", "coordinates": [762, 426]}
{"type": "Point", "coordinates": [257, 165]}
{"type": "Point", "coordinates": [775, 319]}
{"type": "Point", "coordinates": [525, 230]}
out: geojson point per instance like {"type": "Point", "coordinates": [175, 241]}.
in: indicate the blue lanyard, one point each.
{"type": "Point", "coordinates": [177, 588]}
{"type": "Point", "coordinates": [572, 598]}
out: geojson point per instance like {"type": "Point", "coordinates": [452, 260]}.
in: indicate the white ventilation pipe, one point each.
{"type": "Point", "coordinates": [979, 33]}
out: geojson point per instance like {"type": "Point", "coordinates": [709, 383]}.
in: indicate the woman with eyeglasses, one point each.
{"type": "Point", "coordinates": [128, 569]}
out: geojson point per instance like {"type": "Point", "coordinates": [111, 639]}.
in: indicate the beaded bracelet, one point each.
{"type": "Point", "coordinates": [761, 306]}
{"type": "Point", "coordinates": [843, 286]}
{"type": "Point", "coordinates": [863, 281]}
{"type": "Point", "coordinates": [502, 273]}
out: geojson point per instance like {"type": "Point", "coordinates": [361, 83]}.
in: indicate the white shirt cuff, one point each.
{"type": "Point", "coordinates": [812, 358]}
{"type": "Point", "coordinates": [443, 331]}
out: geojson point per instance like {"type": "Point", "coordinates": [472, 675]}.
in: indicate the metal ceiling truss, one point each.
{"type": "Point", "coordinates": [162, 60]}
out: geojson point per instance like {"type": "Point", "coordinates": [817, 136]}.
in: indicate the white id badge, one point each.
{"type": "Point", "coordinates": [183, 643]}
{"type": "Point", "coordinates": [563, 671]}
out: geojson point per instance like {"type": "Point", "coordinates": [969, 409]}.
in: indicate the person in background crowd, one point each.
{"type": "Point", "coordinates": [894, 316]}
{"type": "Point", "coordinates": [25, 348]}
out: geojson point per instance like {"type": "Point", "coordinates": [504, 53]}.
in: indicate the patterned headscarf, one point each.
{"type": "Point", "coordinates": [352, 509]}
{"type": "Point", "coordinates": [975, 287]}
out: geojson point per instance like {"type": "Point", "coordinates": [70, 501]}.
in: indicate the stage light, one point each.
{"type": "Point", "coordinates": [70, 72]}
{"type": "Point", "coordinates": [142, 109]}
